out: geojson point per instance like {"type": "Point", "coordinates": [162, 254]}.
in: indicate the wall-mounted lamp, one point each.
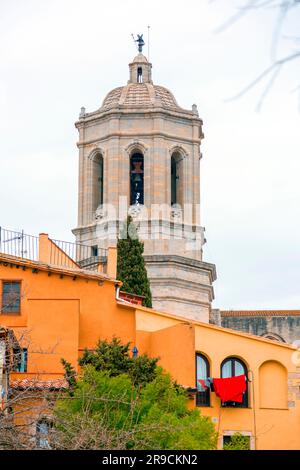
{"type": "Point", "coordinates": [134, 352]}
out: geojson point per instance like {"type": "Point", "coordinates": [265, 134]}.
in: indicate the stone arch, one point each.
{"type": "Point", "coordinates": [273, 385]}
{"type": "Point", "coordinates": [177, 176]}
{"type": "Point", "coordinates": [95, 152]}
{"type": "Point", "coordinates": [136, 146]}
{"type": "Point", "coordinates": [96, 177]}
{"type": "Point", "coordinates": [273, 337]}
{"type": "Point", "coordinates": [136, 174]}
{"type": "Point", "coordinates": [180, 150]}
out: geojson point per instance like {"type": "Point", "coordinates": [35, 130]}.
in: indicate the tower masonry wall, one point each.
{"type": "Point", "coordinates": [145, 119]}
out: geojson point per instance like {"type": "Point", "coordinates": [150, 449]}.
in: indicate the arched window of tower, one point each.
{"type": "Point", "coordinates": [97, 181]}
{"type": "Point", "coordinates": [139, 75]}
{"type": "Point", "coordinates": [177, 179]}
{"type": "Point", "coordinates": [137, 178]}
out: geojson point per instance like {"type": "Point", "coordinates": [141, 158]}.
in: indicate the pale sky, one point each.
{"type": "Point", "coordinates": [59, 55]}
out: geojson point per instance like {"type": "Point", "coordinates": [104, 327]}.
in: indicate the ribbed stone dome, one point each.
{"type": "Point", "coordinates": [136, 95]}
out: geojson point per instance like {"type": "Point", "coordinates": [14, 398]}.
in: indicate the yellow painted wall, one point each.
{"type": "Point", "coordinates": [61, 314]}
{"type": "Point", "coordinates": [273, 376]}
{"type": "Point", "coordinates": [174, 346]}
{"type": "Point", "coordinates": [53, 333]}
{"type": "Point", "coordinates": [70, 310]}
{"type": "Point", "coordinates": [270, 424]}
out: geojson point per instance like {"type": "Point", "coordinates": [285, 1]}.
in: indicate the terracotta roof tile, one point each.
{"type": "Point", "coordinates": [259, 313]}
{"type": "Point", "coordinates": [32, 384]}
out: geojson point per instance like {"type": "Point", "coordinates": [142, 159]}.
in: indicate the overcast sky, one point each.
{"type": "Point", "coordinates": [59, 55]}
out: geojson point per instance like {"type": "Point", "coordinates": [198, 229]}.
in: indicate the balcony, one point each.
{"type": "Point", "coordinates": [53, 252]}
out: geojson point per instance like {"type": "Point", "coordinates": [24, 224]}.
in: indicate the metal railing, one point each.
{"type": "Point", "coordinates": [19, 244]}
{"type": "Point", "coordinates": [76, 254]}
{"type": "Point", "coordinates": [62, 253]}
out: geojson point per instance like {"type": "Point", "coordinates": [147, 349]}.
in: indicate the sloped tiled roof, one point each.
{"type": "Point", "coordinates": [32, 384]}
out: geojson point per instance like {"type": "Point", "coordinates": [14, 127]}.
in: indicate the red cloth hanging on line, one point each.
{"type": "Point", "coordinates": [231, 388]}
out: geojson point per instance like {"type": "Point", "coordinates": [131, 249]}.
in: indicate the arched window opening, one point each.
{"type": "Point", "coordinates": [176, 179]}
{"type": "Point", "coordinates": [137, 179]}
{"type": "Point", "coordinates": [202, 373]}
{"type": "Point", "coordinates": [97, 182]}
{"type": "Point", "coordinates": [139, 75]}
{"type": "Point", "coordinates": [273, 337]}
{"type": "Point", "coordinates": [173, 181]}
{"type": "Point", "coordinates": [273, 385]}
{"type": "Point", "coordinates": [232, 367]}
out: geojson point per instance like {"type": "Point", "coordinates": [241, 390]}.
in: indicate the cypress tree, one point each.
{"type": "Point", "coordinates": [131, 268]}
{"type": "Point", "coordinates": [70, 374]}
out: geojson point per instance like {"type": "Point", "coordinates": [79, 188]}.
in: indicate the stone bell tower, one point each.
{"type": "Point", "coordinates": [140, 153]}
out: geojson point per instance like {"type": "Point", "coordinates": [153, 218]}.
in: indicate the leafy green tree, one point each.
{"type": "Point", "coordinates": [238, 442]}
{"type": "Point", "coordinates": [114, 358]}
{"type": "Point", "coordinates": [143, 369]}
{"type": "Point", "coordinates": [110, 412]}
{"type": "Point", "coordinates": [121, 402]}
{"type": "Point", "coordinates": [131, 268]}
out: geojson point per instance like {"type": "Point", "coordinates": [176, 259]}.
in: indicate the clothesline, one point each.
{"type": "Point", "coordinates": [227, 389]}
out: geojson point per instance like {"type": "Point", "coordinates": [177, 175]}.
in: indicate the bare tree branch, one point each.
{"type": "Point", "coordinates": [275, 68]}
{"type": "Point", "coordinates": [242, 11]}
{"type": "Point", "coordinates": [283, 7]}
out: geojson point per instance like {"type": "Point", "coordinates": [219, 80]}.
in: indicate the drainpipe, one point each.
{"type": "Point", "coordinates": [119, 298]}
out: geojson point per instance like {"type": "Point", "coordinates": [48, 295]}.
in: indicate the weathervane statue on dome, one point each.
{"type": "Point", "coordinates": [140, 41]}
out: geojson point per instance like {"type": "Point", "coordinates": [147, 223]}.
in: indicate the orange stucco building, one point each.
{"type": "Point", "coordinates": [61, 309]}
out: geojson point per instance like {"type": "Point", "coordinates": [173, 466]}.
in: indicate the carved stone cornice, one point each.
{"type": "Point", "coordinates": [130, 135]}
{"type": "Point", "coordinates": [182, 260]}
{"type": "Point", "coordinates": [142, 111]}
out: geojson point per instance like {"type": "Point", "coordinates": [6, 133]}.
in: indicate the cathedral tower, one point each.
{"type": "Point", "coordinates": [140, 153]}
